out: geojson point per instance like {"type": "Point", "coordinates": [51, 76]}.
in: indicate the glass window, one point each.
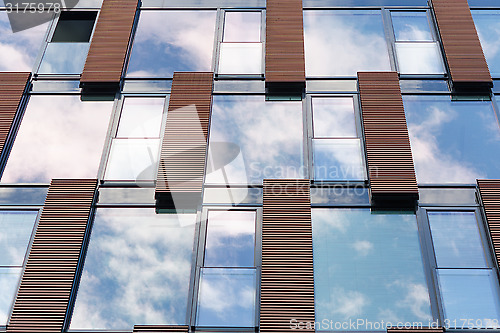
{"type": "Point", "coordinates": [74, 27]}
{"type": "Point", "coordinates": [488, 29]}
{"type": "Point", "coordinates": [141, 117]}
{"type": "Point", "coordinates": [15, 233]}
{"type": "Point", "coordinates": [239, 153]}
{"type": "Point", "coordinates": [411, 26]}
{"type": "Point", "coordinates": [59, 137]}
{"type": "Point", "coordinates": [341, 43]}
{"type": "Point", "coordinates": [168, 41]}
{"type": "Point", "coordinates": [452, 141]}
{"type": "Point", "coordinates": [367, 269]}
{"type": "Point", "coordinates": [137, 270]}
{"type": "Point", "coordinates": [334, 117]}
{"type": "Point", "coordinates": [242, 26]}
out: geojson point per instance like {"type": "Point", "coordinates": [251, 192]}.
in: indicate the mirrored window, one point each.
{"type": "Point", "coordinates": [242, 26]}
{"type": "Point", "coordinates": [136, 271]}
{"type": "Point", "coordinates": [59, 137]}
{"type": "Point", "coordinates": [141, 117]}
{"type": "Point", "coordinates": [334, 117]}
{"type": "Point", "coordinates": [452, 141]}
{"type": "Point", "coordinates": [488, 29]}
{"type": "Point", "coordinates": [411, 26]}
{"type": "Point", "coordinates": [168, 41]}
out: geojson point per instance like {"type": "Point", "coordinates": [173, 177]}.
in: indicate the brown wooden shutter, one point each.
{"type": "Point", "coordinates": [108, 49]}
{"type": "Point", "coordinates": [462, 48]}
{"type": "Point", "coordinates": [183, 153]}
{"type": "Point", "coordinates": [12, 87]}
{"type": "Point", "coordinates": [285, 65]}
{"type": "Point", "coordinates": [287, 282]}
{"type": "Point", "coordinates": [489, 191]}
{"type": "Point", "coordinates": [161, 328]}
{"type": "Point", "coordinates": [44, 294]}
{"type": "Point", "coordinates": [388, 152]}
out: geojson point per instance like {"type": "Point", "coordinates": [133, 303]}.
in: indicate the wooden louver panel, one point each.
{"type": "Point", "coordinates": [285, 64]}
{"type": "Point", "coordinates": [43, 296]}
{"type": "Point", "coordinates": [12, 86]}
{"type": "Point", "coordinates": [183, 152]}
{"type": "Point", "coordinates": [464, 54]}
{"type": "Point", "coordinates": [489, 191]}
{"type": "Point", "coordinates": [108, 49]}
{"type": "Point", "coordinates": [388, 152]}
{"type": "Point", "coordinates": [287, 282]}
{"type": "Point", "coordinates": [161, 328]}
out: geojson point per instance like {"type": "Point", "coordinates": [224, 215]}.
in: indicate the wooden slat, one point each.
{"type": "Point", "coordinates": [489, 191]}
{"type": "Point", "coordinates": [285, 64]}
{"type": "Point", "coordinates": [108, 49]}
{"type": "Point", "coordinates": [416, 330]}
{"type": "Point", "coordinates": [183, 153]}
{"type": "Point", "coordinates": [12, 87]}
{"type": "Point", "coordinates": [388, 152]}
{"type": "Point", "coordinates": [43, 296]}
{"type": "Point", "coordinates": [464, 54]}
{"type": "Point", "coordinates": [287, 282]}
{"type": "Point", "coordinates": [161, 328]}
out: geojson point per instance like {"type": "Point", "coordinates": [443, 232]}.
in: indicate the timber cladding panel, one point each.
{"type": "Point", "coordinates": [109, 45]}
{"type": "Point", "coordinates": [388, 152]}
{"type": "Point", "coordinates": [287, 281]}
{"type": "Point", "coordinates": [285, 42]}
{"type": "Point", "coordinates": [12, 87]}
{"type": "Point", "coordinates": [183, 153]}
{"type": "Point", "coordinates": [489, 191]}
{"type": "Point", "coordinates": [42, 299]}
{"type": "Point", "coordinates": [462, 48]}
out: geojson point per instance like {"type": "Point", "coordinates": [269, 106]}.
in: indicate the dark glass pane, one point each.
{"type": "Point", "coordinates": [74, 27]}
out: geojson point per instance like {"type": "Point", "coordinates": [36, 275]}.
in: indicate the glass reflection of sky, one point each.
{"type": "Point", "coordinates": [419, 58]}
{"type": "Point", "coordinates": [242, 26]}
{"type": "Point", "coordinates": [368, 266]}
{"type": "Point", "coordinates": [453, 142]}
{"type": "Point", "coordinates": [339, 42]}
{"type": "Point", "coordinates": [19, 50]}
{"type": "Point", "coordinates": [269, 135]}
{"type": "Point", "coordinates": [338, 159]}
{"type": "Point", "coordinates": [168, 41]}
{"type": "Point", "coordinates": [411, 26]}
{"type": "Point", "coordinates": [488, 28]}
{"type": "Point", "coordinates": [137, 270]}
{"type": "Point", "coordinates": [334, 117]}
{"type": "Point", "coordinates": [9, 279]}
{"type": "Point", "coordinates": [64, 58]}
{"type": "Point", "coordinates": [141, 117]}
{"type": "Point", "coordinates": [59, 137]}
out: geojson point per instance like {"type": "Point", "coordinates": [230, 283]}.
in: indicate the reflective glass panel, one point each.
{"type": "Point", "coordinates": [240, 58]}
{"type": "Point", "coordinates": [230, 239]}
{"type": "Point", "coordinates": [168, 41]}
{"type": "Point", "coordinates": [15, 233]}
{"type": "Point", "coordinates": [59, 137]}
{"type": "Point", "coordinates": [367, 267]}
{"type": "Point", "coordinates": [18, 50]}
{"type": "Point", "coordinates": [411, 26]}
{"type": "Point", "coordinates": [137, 270]}
{"type": "Point", "coordinates": [251, 139]}
{"type": "Point", "coordinates": [74, 27]}
{"type": "Point", "coordinates": [339, 42]}
{"type": "Point", "coordinates": [9, 279]}
{"type": "Point", "coordinates": [337, 159]}
{"type": "Point", "coordinates": [334, 117]}
{"type": "Point", "coordinates": [132, 159]}
{"type": "Point", "coordinates": [456, 239]}
{"type": "Point", "coordinates": [242, 27]}
{"type": "Point", "coordinates": [141, 118]}
{"type": "Point", "coordinates": [488, 29]}
{"type": "Point", "coordinates": [226, 297]}
{"type": "Point", "coordinates": [452, 141]}
{"type": "Point", "coordinates": [64, 58]}
{"type": "Point", "coordinates": [419, 58]}
{"type": "Point", "coordinates": [470, 297]}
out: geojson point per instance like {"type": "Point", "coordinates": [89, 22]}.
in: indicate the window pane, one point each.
{"type": "Point", "coordinates": [230, 239]}
{"type": "Point", "coordinates": [338, 159]}
{"type": "Point", "coordinates": [74, 26]}
{"type": "Point", "coordinates": [341, 42]}
{"type": "Point", "coordinates": [15, 234]}
{"type": "Point", "coordinates": [411, 26]}
{"type": "Point", "coordinates": [168, 41]}
{"type": "Point", "coordinates": [240, 58]}
{"type": "Point", "coordinates": [334, 117]}
{"type": "Point", "coordinates": [469, 294]}
{"type": "Point", "coordinates": [133, 159]}
{"type": "Point", "coordinates": [242, 27]}
{"type": "Point", "coordinates": [137, 270]}
{"type": "Point", "coordinates": [59, 137]}
{"type": "Point", "coordinates": [368, 266]}
{"type": "Point", "coordinates": [239, 153]}
{"type": "Point", "coordinates": [141, 118]}
{"type": "Point", "coordinates": [452, 141]}
{"type": "Point", "coordinates": [419, 58]}
{"type": "Point", "coordinates": [488, 29]}
{"type": "Point", "coordinates": [64, 58]}
{"type": "Point", "coordinates": [456, 240]}
{"type": "Point", "coordinates": [9, 279]}
{"type": "Point", "coordinates": [227, 297]}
